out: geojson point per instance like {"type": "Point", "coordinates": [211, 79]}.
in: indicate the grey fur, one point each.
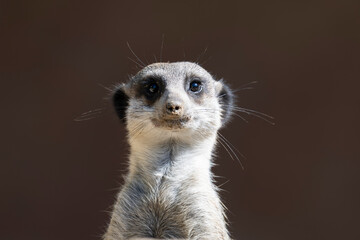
{"type": "Point", "coordinates": [169, 190]}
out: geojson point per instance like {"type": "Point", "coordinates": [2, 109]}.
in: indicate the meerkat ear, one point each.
{"type": "Point", "coordinates": [121, 102]}
{"type": "Point", "coordinates": [226, 100]}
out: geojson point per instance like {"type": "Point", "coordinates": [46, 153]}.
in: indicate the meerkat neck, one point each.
{"type": "Point", "coordinates": [173, 159]}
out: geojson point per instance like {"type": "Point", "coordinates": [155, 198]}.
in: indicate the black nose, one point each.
{"type": "Point", "coordinates": [174, 108]}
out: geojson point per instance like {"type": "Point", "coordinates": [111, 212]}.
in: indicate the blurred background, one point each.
{"type": "Point", "coordinates": [59, 177]}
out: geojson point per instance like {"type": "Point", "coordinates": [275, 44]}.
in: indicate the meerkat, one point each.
{"type": "Point", "coordinates": [172, 112]}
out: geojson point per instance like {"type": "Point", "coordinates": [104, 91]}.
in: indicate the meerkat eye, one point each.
{"type": "Point", "coordinates": [195, 86]}
{"type": "Point", "coordinates": [153, 88]}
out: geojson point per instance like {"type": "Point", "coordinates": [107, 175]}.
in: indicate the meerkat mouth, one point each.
{"type": "Point", "coordinates": [171, 123]}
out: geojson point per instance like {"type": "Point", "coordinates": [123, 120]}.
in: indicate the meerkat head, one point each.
{"type": "Point", "coordinates": [173, 99]}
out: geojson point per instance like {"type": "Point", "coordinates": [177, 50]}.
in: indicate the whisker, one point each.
{"type": "Point", "coordinates": [134, 128]}
{"type": "Point", "coordinates": [135, 55]}
{"type": "Point", "coordinates": [246, 86]}
{"type": "Point", "coordinates": [147, 61]}
{"type": "Point", "coordinates": [140, 131]}
{"type": "Point", "coordinates": [255, 115]}
{"type": "Point", "coordinates": [137, 127]}
{"type": "Point", "coordinates": [242, 89]}
{"type": "Point", "coordinates": [224, 146]}
{"type": "Point", "coordinates": [91, 113]}
{"type": "Point", "coordinates": [88, 115]}
{"type": "Point", "coordinates": [237, 158]}
{"type": "Point", "coordinates": [137, 111]}
{"type": "Point", "coordinates": [253, 111]}
{"type": "Point", "coordinates": [242, 155]}
{"type": "Point", "coordinates": [205, 61]}
{"type": "Point", "coordinates": [162, 46]}
{"type": "Point", "coordinates": [138, 64]}
{"type": "Point", "coordinates": [80, 119]}
{"type": "Point", "coordinates": [203, 53]}
{"type": "Point", "coordinates": [223, 183]}
{"type": "Point", "coordinates": [207, 110]}
{"type": "Point", "coordinates": [137, 133]}
{"type": "Point", "coordinates": [106, 88]}
{"type": "Point", "coordinates": [241, 117]}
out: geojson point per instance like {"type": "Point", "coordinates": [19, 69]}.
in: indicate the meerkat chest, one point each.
{"type": "Point", "coordinates": [166, 210]}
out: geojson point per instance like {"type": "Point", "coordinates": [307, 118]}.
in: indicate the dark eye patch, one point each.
{"type": "Point", "coordinates": [151, 88]}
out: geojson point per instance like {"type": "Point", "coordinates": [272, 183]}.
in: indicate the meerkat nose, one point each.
{"type": "Point", "coordinates": [174, 108]}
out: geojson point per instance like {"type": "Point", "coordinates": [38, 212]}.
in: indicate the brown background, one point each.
{"type": "Point", "coordinates": [301, 181]}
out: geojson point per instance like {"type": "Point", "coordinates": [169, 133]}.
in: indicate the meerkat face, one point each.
{"type": "Point", "coordinates": [178, 98]}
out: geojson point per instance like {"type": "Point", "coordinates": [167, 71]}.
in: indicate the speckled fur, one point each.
{"type": "Point", "coordinates": [169, 190]}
